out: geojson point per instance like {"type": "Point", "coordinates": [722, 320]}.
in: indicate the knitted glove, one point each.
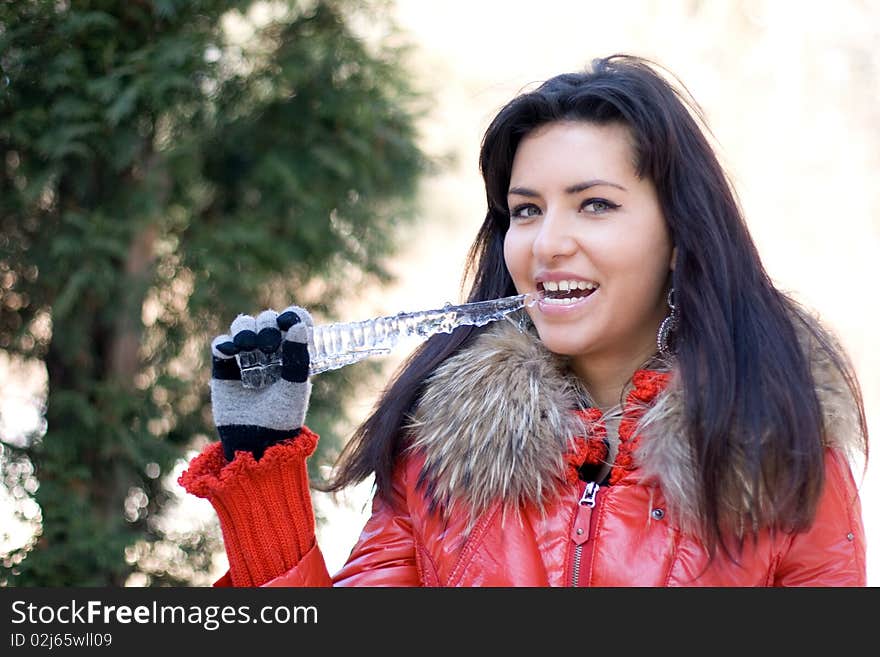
{"type": "Point", "coordinates": [251, 419]}
{"type": "Point", "coordinates": [264, 507]}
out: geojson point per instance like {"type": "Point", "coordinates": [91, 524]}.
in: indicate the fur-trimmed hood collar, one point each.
{"type": "Point", "coordinates": [496, 421]}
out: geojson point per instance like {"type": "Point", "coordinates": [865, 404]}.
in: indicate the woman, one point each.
{"type": "Point", "coordinates": [669, 418]}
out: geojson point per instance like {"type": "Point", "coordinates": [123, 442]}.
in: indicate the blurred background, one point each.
{"type": "Point", "coordinates": [165, 165]}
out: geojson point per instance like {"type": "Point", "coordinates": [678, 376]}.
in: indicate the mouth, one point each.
{"type": "Point", "coordinates": [566, 292]}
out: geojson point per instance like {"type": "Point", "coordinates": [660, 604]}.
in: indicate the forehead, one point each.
{"type": "Point", "coordinates": [574, 149]}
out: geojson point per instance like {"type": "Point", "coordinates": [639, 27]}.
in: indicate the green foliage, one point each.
{"type": "Point", "coordinates": [157, 177]}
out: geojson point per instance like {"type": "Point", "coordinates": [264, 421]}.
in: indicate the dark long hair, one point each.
{"type": "Point", "coordinates": [738, 353]}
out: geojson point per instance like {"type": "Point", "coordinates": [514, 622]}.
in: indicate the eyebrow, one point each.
{"type": "Point", "coordinates": [573, 189]}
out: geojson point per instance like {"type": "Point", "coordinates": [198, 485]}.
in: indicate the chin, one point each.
{"type": "Point", "coordinates": [559, 343]}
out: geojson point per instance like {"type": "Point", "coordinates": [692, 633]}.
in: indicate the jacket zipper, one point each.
{"type": "Point", "coordinates": [582, 527]}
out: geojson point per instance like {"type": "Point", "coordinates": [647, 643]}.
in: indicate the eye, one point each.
{"type": "Point", "coordinates": [598, 205]}
{"type": "Point", "coordinates": [525, 211]}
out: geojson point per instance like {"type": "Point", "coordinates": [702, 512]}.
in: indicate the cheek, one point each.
{"type": "Point", "coordinates": [639, 270]}
{"type": "Point", "coordinates": [515, 253]}
{"type": "Point", "coordinates": [648, 250]}
{"type": "Point", "coordinates": [655, 279]}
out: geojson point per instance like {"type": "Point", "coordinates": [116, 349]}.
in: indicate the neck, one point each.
{"type": "Point", "coordinates": [606, 379]}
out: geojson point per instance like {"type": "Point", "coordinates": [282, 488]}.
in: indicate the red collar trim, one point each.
{"type": "Point", "coordinates": [592, 448]}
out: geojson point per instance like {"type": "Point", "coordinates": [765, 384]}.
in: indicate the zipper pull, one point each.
{"type": "Point", "coordinates": [589, 496]}
{"type": "Point", "coordinates": [580, 531]}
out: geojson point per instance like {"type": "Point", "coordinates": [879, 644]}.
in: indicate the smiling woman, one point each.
{"type": "Point", "coordinates": [581, 217]}
{"type": "Point", "coordinates": [668, 417]}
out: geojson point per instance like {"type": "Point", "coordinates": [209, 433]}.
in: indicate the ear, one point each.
{"type": "Point", "coordinates": [672, 258]}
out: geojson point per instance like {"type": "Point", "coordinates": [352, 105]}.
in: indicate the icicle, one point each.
{"type": "Point", "coordinates": [332, 346]}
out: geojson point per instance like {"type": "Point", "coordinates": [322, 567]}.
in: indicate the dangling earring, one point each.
{"type": "Point", "coordinates": [670, 323]}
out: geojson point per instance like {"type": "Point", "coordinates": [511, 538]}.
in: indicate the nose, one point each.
{"type": "Point", "coordinates": [555, 238]}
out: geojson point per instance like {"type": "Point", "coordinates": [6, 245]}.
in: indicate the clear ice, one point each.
{"type": "Point", "coordinates": [332, 346]}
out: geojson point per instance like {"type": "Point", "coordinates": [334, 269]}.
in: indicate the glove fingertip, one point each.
{"type": "Point", "coordinates": [293, 315]}
{"type": "Point", "coordinates": [243, 323]}
{"type": "Point", "coordinates": [223, 347]}
{"type": "Point", "coordinates": [266, 319]}
{"type": "Point", "coordinates": [268, 339]}
{"type": "Point", "coordinates": [287, 319]}
{"type": "Point", "coordinates": [245, 340]}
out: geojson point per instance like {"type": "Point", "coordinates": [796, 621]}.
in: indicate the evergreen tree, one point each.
{"type": "Point", "coordinates": [164, 165]}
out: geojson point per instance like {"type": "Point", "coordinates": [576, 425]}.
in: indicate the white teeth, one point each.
{"type": "Point", "coordinates": [565, 286]}
{"type": "Point", "coordinates": [562, 302]}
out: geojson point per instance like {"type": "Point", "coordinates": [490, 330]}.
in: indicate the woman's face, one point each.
{"type": "Point", "coordinates": [583, 221]}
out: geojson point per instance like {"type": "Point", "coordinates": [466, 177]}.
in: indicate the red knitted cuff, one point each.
{"type": "Point", "coordinates": [264, 506]}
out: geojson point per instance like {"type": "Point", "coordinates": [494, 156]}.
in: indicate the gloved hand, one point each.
{"type": "Point", "coordinates": [252, 419]}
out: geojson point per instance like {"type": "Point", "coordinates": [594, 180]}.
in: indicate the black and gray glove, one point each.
{"type": "Point", "coordinates": [252, 419]}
